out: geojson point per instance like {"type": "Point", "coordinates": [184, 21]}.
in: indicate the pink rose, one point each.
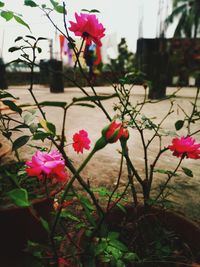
{"type": "Point", "coordinates": [47, 165]}
{"type": "Point", "coordinates": [88, 27]}
{"type": "Point", "coordinates": [185, 147]}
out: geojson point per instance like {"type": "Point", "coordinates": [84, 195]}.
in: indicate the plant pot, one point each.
{"type": "Point", "coordinates": [182, 234]}
{"type": "Point", "coordinates": [20, 224]}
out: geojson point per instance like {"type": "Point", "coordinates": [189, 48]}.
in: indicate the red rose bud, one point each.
{"type": "Point", "coordinates": [124, 136]}
{"type": "Point", "coordinates": [124, 133]}
{"type": "Point", "coordinates": [115, 131]}
{"type": "Point", "coordinates": [111, 132]}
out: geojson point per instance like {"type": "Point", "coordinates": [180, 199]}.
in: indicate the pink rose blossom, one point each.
{"type": "Point", "coordinates": [81, 141]}
{"type": "Point", "coordinates": [185, 147]}
{"type": "Point", "coordinates": [47, 165]}
{"type": "Point", "coordinates": [88, 27]}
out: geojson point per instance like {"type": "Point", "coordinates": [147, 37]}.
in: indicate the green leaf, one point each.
{"type": "Point", "coordinates": [187, 171]}
{"type": "Point", "coordinates": [89, 216]}
{"type": "Point", "coordinates": [100, 248]}
{"type": "Point", "coordinates": [19, 196]}
{"type": "Point", "coordinates": [31, 37]}
{"type": "Point", "coordinates": [90, 11]}
{"type": "Point", "coordinates": [51, 127]}
{"type": "Point", "coordinates": [14, 48]}
{"type": "Point", "coordinates": [30, 3]}
{"type": "Point", "coordinates": [18, 38]}
{"type": "Point", "coordinates": [12, 106]}
{"type": "Point", "coordinates": [48, 126]}
{"type": "Point", "coordinates": [165, 172]}
{"type": "Point", "coordinates": [59, 9]}
{"type": "Point", "coordinates": [94, 98]}
{"type": "Point", "coordinates": [21, 21]}
{"type": "Point", "coordinates": [84, 105]}
{"type": "Point", "coordinates": [40, 136]}
{"type": "Point", "coordinates": [120, 263]}
{"type": "Point", "coordinates": [179, 124]}
{"type": "Point", "coordinates": [4, 94]}
{"type": "Point", "coordinates": [45, 224]}
{"type": "Point", "coordinates": [19, 142]}
{"type": "Point", "coordinates": [54, 3]}
{"type": "Point", "coordinates": [1, 4]}
{"type": "Point", "coordinates": [53, 104]}
{"type": "Point", "coordinates": [94, 11]}
{"type": "Point", "coordinates": [7, 15]}
{"type": "Point", "coordinates": [42, 38]}
{"type": "Point", "coordinates": [86, 202]}
{"type": "Point", "coordinates": [69, 215]}
{"type": "Point", "coordinates": [122, 208]}
{"type": "Point", "coordinates": [117, 244]}
{"type": "Point", "coordinates": [130, 256]}
{"type": "Point", "coordinates": [113, 235]}
{"type": "Point", "coordinates": [39, 49]}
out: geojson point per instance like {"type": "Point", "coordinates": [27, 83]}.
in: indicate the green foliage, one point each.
{"type": "Point", "coordinates": [19, 197]}
{"type": "Point", "coordinates": [187, 171]}
{"type": "Point", "coordinates": [124, 64]}
{"type": "Point", "coordinates": [20, 141]}
{"type": "Point", "coordinates": [57, 7]}
{"type": "Point", "coordinates": [30, 3]}
{"type": "Point", "coordinates": [7, 15]}
{"type": "Point", "coordinates": [90, 11]}
{"type": "Point", "coordinates": [168, 172]}
{"type": "Point", "coordinates": [179, 124]}
{"type": "Point", "coordinates": [94, 98]}
{"type": "Point", "coordinates": [45, 224]}
{"type": "Point", "coordinates": [12, 106]}
{"type": "Point", "coordinates": [21, 21]}
{"type": "Point", "coordinates": [111, 250]}
{"type": "Point", "coordinates": [53, 104]}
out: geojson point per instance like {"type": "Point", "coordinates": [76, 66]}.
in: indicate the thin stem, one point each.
{"type": "Point", "coordinates": [63, 128]}
{"type": "Point", "coordinates": [117, 184]}
{"type": "Point", "coordinates": [168, 180]}
{"type": "Point", "coordinates": [152, 166]}
{"type": "Point", "coordinates": [69, 185]}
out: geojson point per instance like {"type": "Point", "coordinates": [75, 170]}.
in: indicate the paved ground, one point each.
{"type": "Point", "coordinates": [103, 168]}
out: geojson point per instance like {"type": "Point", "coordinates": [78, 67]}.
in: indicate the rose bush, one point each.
{"type": "Point", "coordinates": [81, 211]}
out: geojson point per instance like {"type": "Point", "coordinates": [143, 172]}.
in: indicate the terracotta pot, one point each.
{"type": "Point", "coordinates": [20, 224]}
{"type": "Point", "coordinates": [181, 225]}
{"type": "Point", "coordinates": [187, 230]}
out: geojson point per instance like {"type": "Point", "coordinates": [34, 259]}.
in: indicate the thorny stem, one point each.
{"type": "Point", "coordinates": [193, 110]}
{"type": "Point", "coordinates": [69, 185]}
{"type": "Point", "coordinates": [159, 125]}
{"type": "Point", "coordinates": [152, 166]}
{"type": "Point", "coordinates": [130, 178]}
{"type": "Point", "coordinates": [63, 129]}
{"type": "Point", "coordinates": [168, 180]}
{"type": "Point", "coordinates": [117, 184]}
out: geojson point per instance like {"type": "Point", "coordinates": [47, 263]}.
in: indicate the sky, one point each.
{"type": "Point", "coordinates": [121, 18]}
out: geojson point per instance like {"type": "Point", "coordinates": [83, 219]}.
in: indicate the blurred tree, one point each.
{"type": "Point", "coordinates": [188, 14]}
{"type": "Point", "coordinates": [124, 66]}
{"type": "Point", "coordinates": [124, 63]}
